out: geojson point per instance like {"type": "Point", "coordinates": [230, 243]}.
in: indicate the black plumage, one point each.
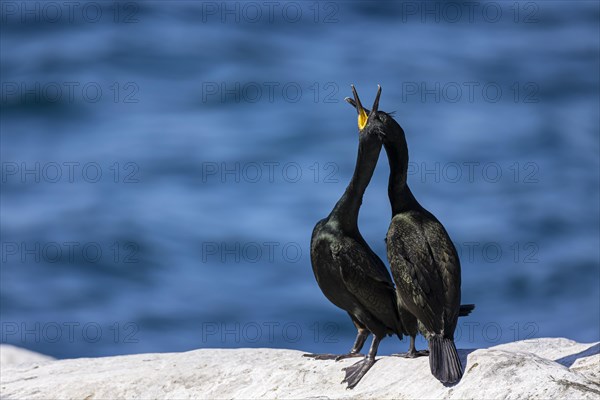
{"type": "Point", "coordinates": [348, 272]}
{"type": "Point", "coordinates": [424, 262]}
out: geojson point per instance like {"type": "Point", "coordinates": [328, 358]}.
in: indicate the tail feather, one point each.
{"type": "Point", "coordinates": [465, 309]}
{"type": "Point", "coordinates": [444, 361]}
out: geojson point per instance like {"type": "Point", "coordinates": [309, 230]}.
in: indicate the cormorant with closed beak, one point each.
{"type": "Point", "coordinates": [423, 260]}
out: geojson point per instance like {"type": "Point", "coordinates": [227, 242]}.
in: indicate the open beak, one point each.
{"type": "Point", "coordinates": [375, 107]}
{"type": "Point", "coordinates": [363, 114]}
{"type": "Point", "coordinates": [350, 101]}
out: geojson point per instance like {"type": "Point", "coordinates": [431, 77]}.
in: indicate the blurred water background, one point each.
{"type": "Point", "coordinates": [164, 163]}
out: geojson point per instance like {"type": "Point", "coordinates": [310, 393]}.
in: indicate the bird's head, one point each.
{"type": "Point", "coordinates": [375, 123]}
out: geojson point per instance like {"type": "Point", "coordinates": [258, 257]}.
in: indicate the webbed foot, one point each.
{"type": "Point", "coordinates": [413, 354]}
{"type": "Point", "coordinates": [336, 357]}
{"type": "Point", "coordinates": [321, 356]}
{"type": "Point", "coordinates": [355, 372]}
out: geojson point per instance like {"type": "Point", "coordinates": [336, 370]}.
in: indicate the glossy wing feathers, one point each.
{"type": "Point", "coordinates": [371, 286]}
{"type": "Point", "coordinates": [415, 272]}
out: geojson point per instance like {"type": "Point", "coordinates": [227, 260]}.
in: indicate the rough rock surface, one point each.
{"type": "Point", "coordinates": [10, 355]}
{"type": "Point", "coordinates": [538, 368]}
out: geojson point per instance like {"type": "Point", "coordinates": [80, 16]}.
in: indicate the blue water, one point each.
{"type": "Point", "coordinates": [163, 165]}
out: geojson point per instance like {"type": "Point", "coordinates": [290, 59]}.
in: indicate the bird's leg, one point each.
{"type": "Point", "coordinates": [361, 336]}
{"type": "Point", "coordinates": [354, 373]}
{"type": "Point", "coordinates": [412, 351]}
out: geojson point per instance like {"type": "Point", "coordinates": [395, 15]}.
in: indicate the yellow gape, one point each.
{"type": "Point", "coordinates": [362, 118]}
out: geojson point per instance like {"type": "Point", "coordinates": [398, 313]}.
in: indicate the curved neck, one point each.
{"type": "Point", "coordinates": [401, 198]}
{"type": "Point", "coordinates": [346, 209]}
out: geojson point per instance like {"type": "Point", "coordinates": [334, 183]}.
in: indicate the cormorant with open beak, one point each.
{"type": "Point", "coordinates": [423, 260]}
{"type": "Point", "coordinates": [348, 272]}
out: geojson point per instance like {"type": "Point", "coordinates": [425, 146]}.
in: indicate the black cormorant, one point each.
{"type": "Point", "coordinates": [423, 260]}
{"type": "Point", "coordinates": [348, 272]}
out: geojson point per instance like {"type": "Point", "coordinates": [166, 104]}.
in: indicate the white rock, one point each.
{"type": "Point", "coordinates": [10, 355]}
{"type": "Point", "coordinates": [527, 369]}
